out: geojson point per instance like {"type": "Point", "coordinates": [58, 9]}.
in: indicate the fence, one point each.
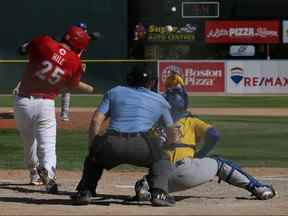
{"type": "Point", "coordinates": [203, 76]}
{"type": "Point", "coordinates": [101, 73]}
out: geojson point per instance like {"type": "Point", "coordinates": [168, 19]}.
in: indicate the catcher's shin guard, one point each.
{"type": "Point", "coordinates": [231, 173]}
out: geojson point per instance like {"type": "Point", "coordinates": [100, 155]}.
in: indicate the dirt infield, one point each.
{"type": "Point", "coordinates": [115, 188]}
{"type": "Point", "coordinates": [19, 198]}
{"type": "Point", "coordinates": [80, 117]}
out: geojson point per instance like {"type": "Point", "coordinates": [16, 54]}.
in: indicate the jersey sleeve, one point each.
{"type": "Point", "coordinates": [104, 106]}
{"type": "Point", "coordinates": [166, 116]}
{"type": "Point", "coordinates": [31, 46]}
{"type": "Point", "coordinates": [75, 78]}
{"type": "Point", "coordinates": [200, 128]}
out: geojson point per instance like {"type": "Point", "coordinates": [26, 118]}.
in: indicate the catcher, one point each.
{"type": "Point", "coordinates": [191, 168]}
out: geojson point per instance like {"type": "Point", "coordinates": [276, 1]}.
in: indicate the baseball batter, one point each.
{"type": "Point", "coordinates": [190, 167]}
{"type": "Point", "coordinates": [51, 67]}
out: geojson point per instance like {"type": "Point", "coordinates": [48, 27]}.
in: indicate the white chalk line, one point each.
{"type": "Point", "coordinates": [276, 178]}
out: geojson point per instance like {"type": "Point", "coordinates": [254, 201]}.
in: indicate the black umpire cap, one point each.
{"type": "Point", "coordinates": [140, 75]}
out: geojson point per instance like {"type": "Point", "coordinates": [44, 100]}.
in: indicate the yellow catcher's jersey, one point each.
{"type": "Point", "coordinates": [173, 81]}
{"type": "Point", "coordinates": [191, 131]}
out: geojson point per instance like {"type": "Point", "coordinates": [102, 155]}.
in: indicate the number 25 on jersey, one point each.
{"type": "Point", "coordinates": [50, 72]}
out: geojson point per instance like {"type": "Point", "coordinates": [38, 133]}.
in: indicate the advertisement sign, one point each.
{"type": "Point", "coordinates": [285, 31]}
{"type": "Point", "coordinates": [257, 77]}
{"type": "Point", "coordinates": [242, 50]}
{"type": "Point", "coordinates": [246, 32]}
{"type": "Point", "coordinates": [156, 33]}
{"type": "Point", "coordinates": [198, 76]}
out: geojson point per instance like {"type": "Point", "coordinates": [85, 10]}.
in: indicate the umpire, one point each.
{"type": "Point", "coordinates": [133, 109]}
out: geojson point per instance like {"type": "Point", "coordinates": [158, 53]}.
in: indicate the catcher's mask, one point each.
{"type": "Point", "coordinates": [140, 76]}
{"type": "Point", "coordinates": [77, 38]}
{"type": "Point", "coordinates": [177, 99]}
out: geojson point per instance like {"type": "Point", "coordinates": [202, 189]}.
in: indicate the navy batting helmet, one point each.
{"type": "Point", "coordinates": [177, 99]}
{"type": "Point", "coordinates": [82, 25]}
{"type": "Point", "coordinates": [140, 75]}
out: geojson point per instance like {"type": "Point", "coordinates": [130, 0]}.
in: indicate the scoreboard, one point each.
{"type": "Point", "coordinates": [209, 9]}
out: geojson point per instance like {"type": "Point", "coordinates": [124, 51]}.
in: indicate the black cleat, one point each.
{"type": "Point", "coordinates": [81, 197]}
{"type": "Point", "coordinates": [51, 186]}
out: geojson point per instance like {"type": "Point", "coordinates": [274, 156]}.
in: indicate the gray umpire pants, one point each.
{"type": "Point", "coordinates": [191, 172]}
{"type": "Point", "coordinates": [111, 150]}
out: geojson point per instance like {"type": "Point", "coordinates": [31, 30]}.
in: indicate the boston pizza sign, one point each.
{"type": "Point", "coordinates": [247, 32]}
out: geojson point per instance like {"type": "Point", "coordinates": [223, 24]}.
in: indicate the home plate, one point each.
{"type": "Point", "coordinates": [124, 186]}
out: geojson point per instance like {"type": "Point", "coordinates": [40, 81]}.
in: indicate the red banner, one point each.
{"type": "Point", "coordinates": [248, 32]}
{"type": "Point", "coordinates": [198, 76]}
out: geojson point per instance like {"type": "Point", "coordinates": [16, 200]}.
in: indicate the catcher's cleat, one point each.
{"type": "Point", "coordinates": [161, 198]}
{"type": "Point", "coordinates": [35, 178]}
{"type": "Point", "coordinates": [142, 190]}
{"type": "Point", "coordinates": [51, 186]}
{"type": "Point", "coordinates": [81, 197]}
{"type": "Point", "coordinates": [264, 192]}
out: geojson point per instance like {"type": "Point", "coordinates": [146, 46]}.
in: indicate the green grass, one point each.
{"type": "Point", "coordinates": [249, 141]}
{"type": "Point", "coordinates": [252, 141]}
{"type": "Point", "coordinates": [194, 101]}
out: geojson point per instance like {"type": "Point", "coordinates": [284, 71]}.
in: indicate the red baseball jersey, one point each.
{"type": "Point", "coordinates": [51, 68]}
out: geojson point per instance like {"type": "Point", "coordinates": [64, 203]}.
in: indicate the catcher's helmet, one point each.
{"type": "Point", "coordinates": [140, 76]}
{"type": "Point", "coordinates": [177, 99]}
{"type": "Point", "coordinates": [77, 38]}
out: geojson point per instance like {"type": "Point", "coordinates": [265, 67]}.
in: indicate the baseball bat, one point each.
{"type": "Point", "coordinates": [94, 35]}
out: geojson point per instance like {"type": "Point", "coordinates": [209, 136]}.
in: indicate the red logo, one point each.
{"type": "Point", "coordinates": [197, 76]}
{"type": "Point", "coordinates": [247, 32]}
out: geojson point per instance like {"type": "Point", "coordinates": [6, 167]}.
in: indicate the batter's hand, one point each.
{"type": "Point", "coordinates": [84, 66]}
{"type": "Point", "coordinates": [15, 91]}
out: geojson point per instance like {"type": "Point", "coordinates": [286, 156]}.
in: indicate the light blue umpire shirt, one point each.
{"type": "Point", "coordinates": [134, 109]}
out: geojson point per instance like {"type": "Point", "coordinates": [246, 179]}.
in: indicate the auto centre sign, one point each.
{"type": "Point", "coordinates": [198, 76]}
{"type": "Point", "coordinates": [157, 33]}
{"type": "Point", "coordinates": [247, 32]}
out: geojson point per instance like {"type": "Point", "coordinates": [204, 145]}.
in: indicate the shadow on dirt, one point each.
{"type": "Point", "coordinates": [27, 188]}
{"type": "Point", "coordinates": [100, 199]}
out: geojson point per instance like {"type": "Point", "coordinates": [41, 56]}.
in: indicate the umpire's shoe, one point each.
{"type": "Point", "coordinates": [161, 198]}
{"type": "Point", "coordinates": [81, 197]}
{"type": "Point", "coordinates": [51, 186]}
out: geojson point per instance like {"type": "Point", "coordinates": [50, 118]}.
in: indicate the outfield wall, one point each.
{"type": "Point", "coordinates": [103, 74]}
{"type": "Point", "coordinates": [229, 76]}
{"type": "Point", "coordinates": [222, 77]}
